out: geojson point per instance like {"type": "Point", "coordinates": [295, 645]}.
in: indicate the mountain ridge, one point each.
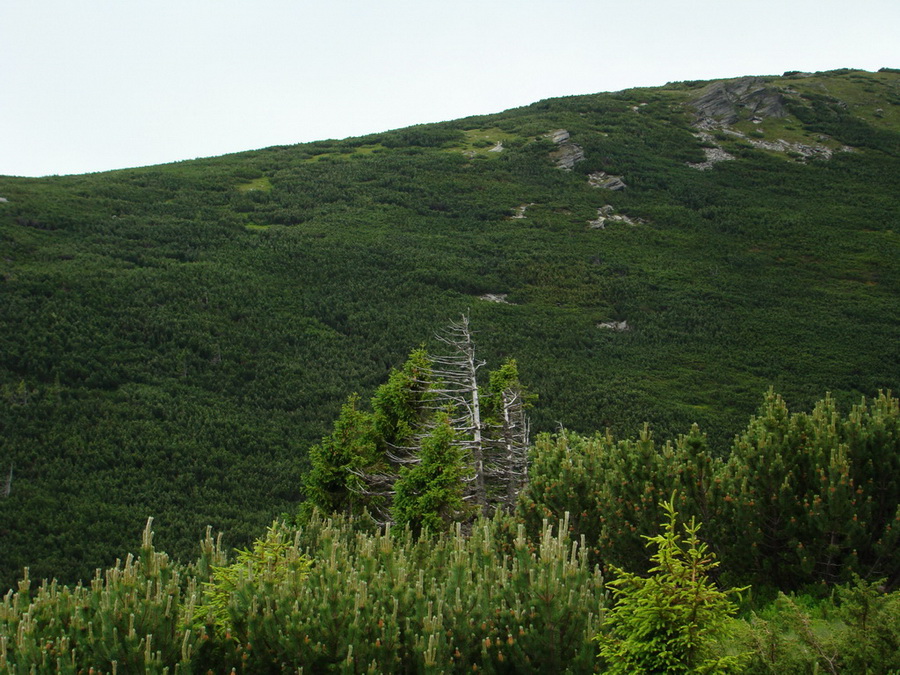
{"type": "Point", "coordinates": [176, 337]}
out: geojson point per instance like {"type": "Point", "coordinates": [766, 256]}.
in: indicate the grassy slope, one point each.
{"type": "Point", "coordinates": [175, 337]}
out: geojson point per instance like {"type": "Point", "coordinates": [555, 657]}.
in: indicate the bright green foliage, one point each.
{"type": "Point", "coordinates": [385, 602]}
{"type": "Point", "coordinates": [272, 562]}
{"type": "Point", "coordinates": [665, 623]}
{"type": "Point", "coordinates": [504, 379]}
{"type": "Point", "coordinates": [126, 619]}
{"type": "Point", "coordinates": [331, 483]}
{"type": "Point", "coordinates": [855, 630]}
{"type": "Point", "coordinates": [357, 445]}
{"type": "Point", "coordinates": [429, 494]}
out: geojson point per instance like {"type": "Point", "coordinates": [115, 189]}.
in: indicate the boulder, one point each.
{"type": "Point", "coordinates": [601, 179]}
{"type": "Point", "coordinates": [567, 156]}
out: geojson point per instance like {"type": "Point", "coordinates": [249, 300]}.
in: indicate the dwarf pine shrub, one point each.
{"type": "Point", "coordinates": [335, 595]}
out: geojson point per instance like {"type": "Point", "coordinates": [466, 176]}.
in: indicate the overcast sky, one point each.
{"type": "Point", "coordinates": [90, 85]}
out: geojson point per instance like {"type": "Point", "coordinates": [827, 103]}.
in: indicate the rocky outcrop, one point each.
{"type": "Point", "coordinates": [614, 325]}
{"type": "Point", "coordinates": [745, 98]}
{"type": "Point", "coordinates": [497, 148]}
{"type": "Point", "coordinates": [805, 151]}
{"type": "Point", "coordinates": [520, 211]}
{"type": "Point", "coordinates": [3, 199]}
{"type": "Point", "coordinates": [606, 214]}
{"type": "Point", "coordinates": [714, 155]}
{"type": "Point", "coordinates": [495, 297]}
{"type": "Point", "coordinates": [568, 154]}
{"type": "Point", "coordinates": [601, 179]}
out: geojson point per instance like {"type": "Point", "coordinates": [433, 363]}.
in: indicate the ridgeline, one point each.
{"type": "Point", "coordinates": [175, 338]}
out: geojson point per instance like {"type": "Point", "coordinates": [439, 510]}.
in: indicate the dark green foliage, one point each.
{"type": "Point", "coordinates": [127, 618]}
{"type": "Point", "coordinates": [175, 338]}
{"type": "Point", "coordinates": [814, 497]}
{"type": "Point", "coordinates": [331, 483]}
{"type": "Point", "coordinates": [802, 498]}
{"type": "Point", "coordinates": [666, 622]}
{"type": "Point", "coordinates": [429, 494]}
{"type": "Point", "coordinates": [399, 405]}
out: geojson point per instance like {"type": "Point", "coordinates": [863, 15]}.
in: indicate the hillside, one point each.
{"type": "Point", "coordinates": [176, 337]}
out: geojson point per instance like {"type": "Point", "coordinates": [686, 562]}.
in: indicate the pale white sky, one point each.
{"type": "Point", "coordinates": [90, 85]}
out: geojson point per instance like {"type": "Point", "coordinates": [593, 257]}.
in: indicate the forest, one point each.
{"type": "Point", "coordinates": [195, 342]}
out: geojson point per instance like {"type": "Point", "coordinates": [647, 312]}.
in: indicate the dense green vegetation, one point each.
{"type": "Point", "coordinates": [176, 338]}
{"type": "Point", "coordinates": [380, 601]}
{"type": "Point", "coordinates": [801, 498]}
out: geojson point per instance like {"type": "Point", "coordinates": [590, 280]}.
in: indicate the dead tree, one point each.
{"type": "Point", "coordinates": [457, 392]}
{"type": "Point", "coordinates": [496, 449]}
{"type": "Point", "coordinates": [7, 485]}
{"type": "Point", "coordinates": [508, 465]}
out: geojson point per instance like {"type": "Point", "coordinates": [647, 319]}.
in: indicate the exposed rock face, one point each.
{"type": "Point", "coordinates": [497, 148]}
{"type": "Point", "coordinates": [3, 199]}
{"type": "Point", "coordinates": [520, 211]}
{"type": "Point", "coordinates": [745, 98]}
{"type": "Point", "coordinates": [614, 325]}
{"type": "Point", "coordinates": [805, 151]}
{"type": "Point", "coordinates": [601, 179]}
{"type": "Point", "coordinates": [495, 297]}
{"type": "Point", "coordinates": [713, 155]}
{"type": "Point", "coordinates": [606, 214]}
{"type": "Point", "coordinates": [568, 153]}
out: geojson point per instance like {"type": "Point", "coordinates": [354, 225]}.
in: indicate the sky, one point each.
{"type": "Point", "coordinates": [92, 85]}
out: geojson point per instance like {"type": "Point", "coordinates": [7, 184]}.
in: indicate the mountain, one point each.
{"type": "Point", "coordinates": [176, 337]}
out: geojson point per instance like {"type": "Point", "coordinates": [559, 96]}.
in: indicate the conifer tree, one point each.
{"type": "Point", "coordinates": [368, 455]}
{"type": "Point", "coordinates": [332, 483]}
{"type": "Point", "coordinates": [429, 493]}
{"type": "Point", "coordinates": [665, 622]}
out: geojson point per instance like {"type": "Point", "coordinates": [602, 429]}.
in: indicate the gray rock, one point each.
{"type": "Point", "coordinates": [606, 214]}
{"type": "Point", "coordinates": [614, 325]}
{"type": "Point", "coordinates": [3, 199]}
{"type": "Point", "coordinates": [601, 179]}
{"type": "Point", "coordinates": [497, 148]}
{"type": "Point", "coordinates": [713, 156]}
{"type": "Point", "coordinates": [495, 297]}
{"type": "Point", "coordinates": [567, 156]}
{"type": "Point", "coordinates": [805, 151]}
{"type": "Point", "coordinates": [520, 211]}
{"type": "Point", "coordinates": [744, 98]}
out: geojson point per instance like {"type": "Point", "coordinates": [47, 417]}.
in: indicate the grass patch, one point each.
{"type": "Point", "coordinates": [257, 184]}
{"type": "Point", "coordinates": [480, 141]}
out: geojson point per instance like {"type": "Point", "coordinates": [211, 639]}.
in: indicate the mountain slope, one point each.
{"type": "Point", "coordinates": [175, 337]}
